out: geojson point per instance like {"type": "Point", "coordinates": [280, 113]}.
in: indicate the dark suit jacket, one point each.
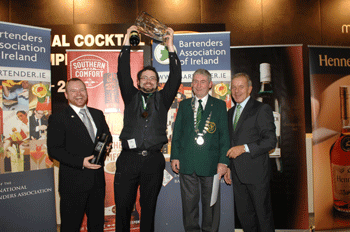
{"type": "Point", "coordinates": [255, 128]}
{"type": "Point", "coordinates": [202, 160]}
{"type": "Point", "coordinates": [69, 142]}
{"type": "Point", "coordinates": [33, 124]}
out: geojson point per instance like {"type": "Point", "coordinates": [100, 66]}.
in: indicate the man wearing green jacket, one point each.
{"type": "Point", "coordinates": [199, 146]}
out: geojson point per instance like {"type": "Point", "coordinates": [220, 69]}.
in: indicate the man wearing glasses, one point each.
{"type": "Point", "coordinates": [141, 162]}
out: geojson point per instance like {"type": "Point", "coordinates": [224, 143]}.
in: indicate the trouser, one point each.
{"type": "Point", "coordinates": [73, 206]}
{"type": "Point", "coordinates": [253, 204]}
{"type": "Point", "coordinates": [194, 188]}
{"type": "Point", "coordinates": [133, 170]}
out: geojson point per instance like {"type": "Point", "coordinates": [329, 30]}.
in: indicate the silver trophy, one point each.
{"type": "Point", "coordinates": [150, 26]}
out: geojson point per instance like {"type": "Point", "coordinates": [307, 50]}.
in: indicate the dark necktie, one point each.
{"type": "Point", "coordinates": [199, 112]}
{"type": "Point", "coordinates": [238, 114]}
{"type": "Point", "coordinates": [88, 124]}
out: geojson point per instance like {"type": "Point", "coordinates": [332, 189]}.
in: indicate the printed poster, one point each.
{"type": "Point", "coordinates": [25, 105]}
{"type": "Point", "coordinates": [329, 83]}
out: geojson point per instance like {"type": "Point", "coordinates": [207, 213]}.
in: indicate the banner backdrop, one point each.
{"type": "Point", "coordinates": [289, 174]}
{"type": "Point", "coordinates": [210, 51]}
{"type": "Point", "coordinates": [98, 70]}
{"type": "Point", "coordinates": [25, 105]}
{"type": "Point", "coordinates": [330, 80]}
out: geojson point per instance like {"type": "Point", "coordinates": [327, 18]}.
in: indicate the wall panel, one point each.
{"type": "Point", "coordinates": [41, 12]}
{"type": "Point", "coordinates": [173, 11]}
{"type": "Point", "coordinates": [291, 22]}
{"type": "Point", "coordinates": [4, 10]}
{"type": "Point", "coordinates": [335, 14]}
{"type": "Point", "coordinates": [104, 12]}
{"type": "Point", "coordinates": [242, 17]}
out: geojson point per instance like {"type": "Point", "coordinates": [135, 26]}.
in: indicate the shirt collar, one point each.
{"type": "Point", "coordinates": [77, 109]}
{"type": "Point", "coordinates": [243, 103]}
{"type": "Point", "coordinates": [204, 101]}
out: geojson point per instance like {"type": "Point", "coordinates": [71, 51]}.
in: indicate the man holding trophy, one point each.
{"type": "Point", "coordinates": [141, 162]}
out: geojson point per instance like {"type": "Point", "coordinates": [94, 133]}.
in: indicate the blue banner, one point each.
{"type": "Point", "coordinates": [26, 182]}
{"type": "Point", "coordinates": [27, 202]}
{"type": "Point", "coordinates": [24, 52]}
{"type": "Point", "coordinates": [210, 51]}
{"type": "Point", "coordinates": [169, 206]}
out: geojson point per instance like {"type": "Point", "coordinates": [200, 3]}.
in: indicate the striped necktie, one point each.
{"type": "Point", "coordinates": [88, 124]}
{"type": "Point", "coordinates": [238, 114]}
{"type": "Point", "coordinates": [199, 112]}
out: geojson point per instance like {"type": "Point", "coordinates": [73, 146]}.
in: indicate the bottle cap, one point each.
{"type": "Point", "coordinates": [265, 72]}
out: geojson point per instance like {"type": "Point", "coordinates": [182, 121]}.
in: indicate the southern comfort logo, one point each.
{"type": "Point", "coordinates": [90, 69]}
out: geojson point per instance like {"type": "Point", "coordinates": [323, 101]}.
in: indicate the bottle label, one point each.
{"type": "Point", "coordinates": [99, 146]}
{"type": "Point", "coordinates": [134, 33]}
{"type": "Point", "coordinates": [277, 119]}
{"type": "Point", "coordinates": [345, 143]}
{"type": "Point", "coordinates": [341, 182]}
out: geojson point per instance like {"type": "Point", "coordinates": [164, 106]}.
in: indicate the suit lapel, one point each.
{"type": "Point", "coordinates": [95, 117]}
{"type": "Point", "coordinates": [75, 119]}
{"type": "Point", "coordinates": [230, 120]}
{"type": "Point", "coordinates": [190, 111]}
{"type": "Point", "coordinates": [208, 108]}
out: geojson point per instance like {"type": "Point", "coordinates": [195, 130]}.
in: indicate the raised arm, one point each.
{"type": "Point", "coordinates": [174, 81]}
{"type": "Point", "coordinates": [126, 84]}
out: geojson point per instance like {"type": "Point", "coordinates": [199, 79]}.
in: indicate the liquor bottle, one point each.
{"type": "Point", "coordinates": [134, 38]}
{"type": "Point", "coordinates": [266, 95]}
{"type": "Point", "coordinates": [340, 157]}
{"type": "Point", "coordinates": [100, 149]}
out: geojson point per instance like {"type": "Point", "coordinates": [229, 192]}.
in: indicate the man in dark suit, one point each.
{"type": "Point", "coordinates": [37, 124]}
{"type": "Point", "coordinates": [81, 184]}
{"type": "Point", "coordinates": [198, 152]}
{"type": "Point", "coordinates": [252, 136]}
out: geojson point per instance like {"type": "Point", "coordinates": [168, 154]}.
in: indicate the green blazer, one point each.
{"type": "Point", "coordinates": [201, 159]}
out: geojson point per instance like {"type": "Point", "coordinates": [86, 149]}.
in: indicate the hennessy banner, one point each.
{"type": "Point", "coordinates": [98, 70]}
{"type": "Point", "coordinates": [330, 86]}
{"type": "Point", "coordinates": [26, 180]}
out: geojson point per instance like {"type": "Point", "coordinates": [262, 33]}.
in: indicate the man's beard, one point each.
{"type": "Point", "coordinates": [148, 90]}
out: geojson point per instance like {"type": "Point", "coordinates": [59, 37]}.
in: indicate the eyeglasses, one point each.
{"type": "Point", "coordinates": [151, 78]}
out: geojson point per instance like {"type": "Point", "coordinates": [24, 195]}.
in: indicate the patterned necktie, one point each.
{"type": "Point", "coordinates": [88, 124]}
{"type": "Point", "coordinates": [199, 112]}
{"type": "Point", "coordinates": [238, 114]}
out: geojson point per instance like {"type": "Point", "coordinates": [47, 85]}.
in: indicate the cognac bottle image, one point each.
{"type": "Point", "coordinates": [340, 157]}
{"type": "Point", "coordinates": [266, 95]}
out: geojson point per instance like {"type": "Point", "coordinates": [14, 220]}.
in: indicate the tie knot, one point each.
{"type": "Point", "coordinates": [200, 100]}
{"type": "Point", "coordinates": [239, 106]}
{"type": "Point", "coordinates": [83, 112]}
